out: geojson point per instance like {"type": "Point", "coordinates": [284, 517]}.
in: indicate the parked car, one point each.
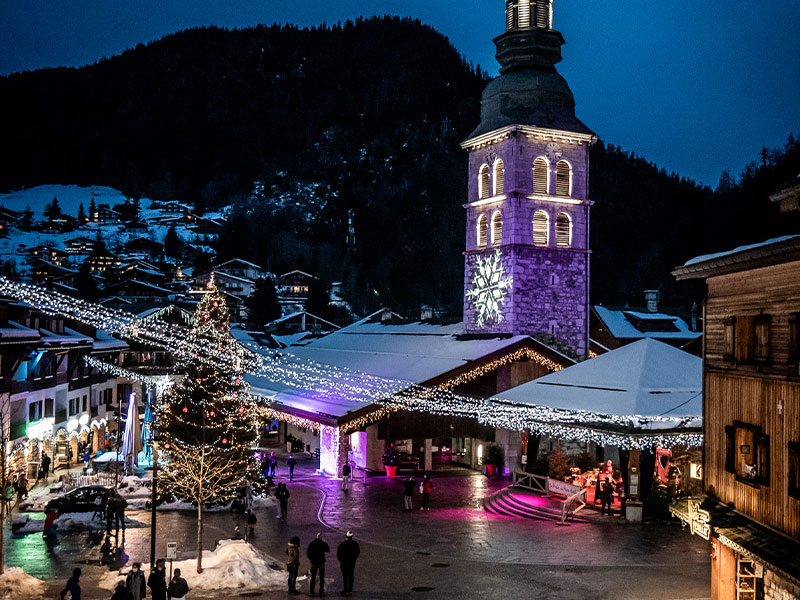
{"type": "Point", "coordinates": [82, 499]}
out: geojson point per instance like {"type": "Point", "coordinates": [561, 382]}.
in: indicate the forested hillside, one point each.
{"type": "Point", "coordinates": [353, 132]}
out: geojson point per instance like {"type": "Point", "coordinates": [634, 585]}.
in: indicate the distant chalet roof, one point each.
{"type": "Point", "coordinates": [631, 324]}
{"type": "Point", "coordinates": [771, 252]}
{"type": "Point", "coordinates": [239, 261]}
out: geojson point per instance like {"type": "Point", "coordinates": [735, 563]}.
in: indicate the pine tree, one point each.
{"type": "Point", "coordinates": [207, 422]}
{"type": "Point", "coordinates": [53, 209]}
{"type": "Point", "coordinates": [92, 210]}
{"type": "Point", "coordinates": [172, 243]}
{"type": "Point", "coordinates": [82, 219]}
{"type": "Point", "coordinates": [262, 304]}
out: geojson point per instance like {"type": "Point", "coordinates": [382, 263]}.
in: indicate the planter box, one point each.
{"type": "Point", "coordinates": [390, 471]}
{"type": "Point", "coordinates": [491, 470]}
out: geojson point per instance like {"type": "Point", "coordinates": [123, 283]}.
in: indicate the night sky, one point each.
{"type": "Point", "coordinates": [696, 87]}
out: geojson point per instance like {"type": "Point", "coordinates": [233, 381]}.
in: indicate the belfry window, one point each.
{"type": "Point", "coordinates": [483, 228]}
{"type": "Point", "coordinates": [541, 170]}
{"type": "Point", "coordinates": [483, 182]}
{"type": "Point", "coordinates": [563, 179]}
{"type": "Point", "coordinates": [497, 228]}
{"type": "Point", "coordinates": [563, 230]}
{"type": "Point", "coordinates": [499, 175]}
{"type": "Point", "coordinates": [541, 227]}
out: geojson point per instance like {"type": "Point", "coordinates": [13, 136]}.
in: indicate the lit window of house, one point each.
{"type": "Point", "coordinates": [747, 453]}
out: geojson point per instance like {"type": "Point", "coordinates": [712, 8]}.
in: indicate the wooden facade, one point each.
{"type": "Point", "coordinates": [751, 377]}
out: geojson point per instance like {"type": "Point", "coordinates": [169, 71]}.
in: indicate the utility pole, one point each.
{"type": "Point", "coordinates": [153, 505]}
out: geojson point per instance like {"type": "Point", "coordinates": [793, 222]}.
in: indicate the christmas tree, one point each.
{"type": "Point", "coordinates": [207, 422]}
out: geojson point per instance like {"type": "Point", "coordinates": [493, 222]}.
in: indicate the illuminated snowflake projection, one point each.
{"type": "Point", "coordinates": [490, 286]}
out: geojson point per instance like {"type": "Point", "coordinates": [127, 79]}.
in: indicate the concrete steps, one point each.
{"type": "Point", "coordinates": [523, 504]}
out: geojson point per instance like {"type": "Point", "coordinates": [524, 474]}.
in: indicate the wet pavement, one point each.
{"type": "Point", "coordinates": [456, 550]}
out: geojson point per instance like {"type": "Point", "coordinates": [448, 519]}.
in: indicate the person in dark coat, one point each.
{"type": "Point", "coordinates": [134, 582]}
{"type": "Point", "coordinates": [607, 497]}
{"type": "Point", "coordinates": [346, 472]}
{"type": "Point", "coordinates": [157, 581]}
{"type": "Point", "coordinates": [121, 592]}
{"type": "Point", "coordinates": [74, 585]}
{"type": "Point", "coordinates": [293, 563]}
{"type": "Point", "coordinates": [316, 556]}
{"type": "Point", "coordinates": [347, 553]}
{"type": "Point", "coordinates": [272, 462]}
{"type": "Point", "coordinates": [282, 494]}
{"type": "Point", "coordinates": [178, 588]}
{"type": "Point", "coordinates": [427, 486]}
{"type": "Point", "coordinates": [45, 466]}
{"type": "Point", "coordinates": [115, 510]}
{"type": "Point", "coordinates": [251, 523]}
{"type": "Point", "coordinates": [408, 493]}
{"type": "Point", "coordinates": [291, 462]}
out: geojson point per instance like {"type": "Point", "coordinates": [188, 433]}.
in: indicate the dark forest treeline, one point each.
{"type": "Point", "coordinates": [354, 132]}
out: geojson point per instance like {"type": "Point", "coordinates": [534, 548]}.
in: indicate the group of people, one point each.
{"type": "Point", "coordinates": [347, 553]}
{"type": "Point", "coordinates": [425, 488]}
{"type": "Point", "coordinates": [134, 587]}
{"type": "Point", "coordinates": [609, 485]}
{"type": "Point", "coordinates": [269, 466]}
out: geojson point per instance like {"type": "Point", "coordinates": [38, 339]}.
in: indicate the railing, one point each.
{"type": "Point", "coordinates": [550, 487]}
{"type": "Point", "coordinates": [75, 480]}
{"type": "Point", "coordinates": [578, 497]}
{"type": "Point", "coordinates": [531, 481]}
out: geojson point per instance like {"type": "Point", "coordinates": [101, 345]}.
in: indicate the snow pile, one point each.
{"type": "Point", "coordinates": [15, 583]}
{"type": "Point", "coordinates": [258, 503]}
{"type": "Point", "coordinates": [136, 491]}
{"type": "Point", "coordinates": [234, 564]}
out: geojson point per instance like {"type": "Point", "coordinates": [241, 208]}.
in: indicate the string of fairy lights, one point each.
{"type": "Point", "coordinates": [338, 382]}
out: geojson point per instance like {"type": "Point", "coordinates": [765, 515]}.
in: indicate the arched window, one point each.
{"type": "Point", "coordinates": [563, 179]}
{"type": "Point", "coordinates": [497, 228]}
{"type": "Point", "coordinates": [563, 230]}
{"type": "Point", "coordinates": [499, 172]}
{"type": "Point", "coordinates": [541, 169]}
{"type": "Point", "coordinates": [483, 227]}
{"type": "Point", "coordinates": [541, 228]}
{"type": "Point", "coordinates": [483, 182]}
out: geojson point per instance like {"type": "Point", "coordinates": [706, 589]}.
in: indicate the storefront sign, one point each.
{"type": "Point", "coordinates": [699, 520]}
{"type": "Point", "coordinates": [562, 488]}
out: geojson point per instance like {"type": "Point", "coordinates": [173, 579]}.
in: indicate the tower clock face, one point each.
{"type": "Point", "coordinates": [553, 152]}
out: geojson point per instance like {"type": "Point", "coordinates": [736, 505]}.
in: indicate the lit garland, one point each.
{"type": "Point", "coordinates": [391, 394]}
{"type": "Point", "coordinates": [269, 413]}
{"type": "Point", "coordinates": [367, 419]}
{"type": "Point", "coordinates": [160, 384]}
{"type": "Point", "coordinates": [521, 354]}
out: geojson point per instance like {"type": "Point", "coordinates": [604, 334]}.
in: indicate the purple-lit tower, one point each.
{"type": "Point", "coordinates": [526, 268]}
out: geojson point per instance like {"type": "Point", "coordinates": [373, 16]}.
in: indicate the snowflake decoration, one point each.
{"type": "Point", "coordinates": [490, 287]}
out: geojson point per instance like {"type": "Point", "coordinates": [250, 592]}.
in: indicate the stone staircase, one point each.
{"type": "Point", "coordinates": [524, 504]}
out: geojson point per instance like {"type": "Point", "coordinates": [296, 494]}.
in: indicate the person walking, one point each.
{"type": "Point", "coordinates": [251, 524]}
{"type": "Point", "coordinates": [121, 592]}
{"type": "Point", "coordinates": [347, 553]}
{"type": "Point", "coordinates": [619, 485]}
{"type": "Point", "coordinates": [607, 497]}
{"type": "Point", "coordinates": [293, 562]}
{"type": "Point", "coordinates": [22, 486]}
{"type": "Point", "coordinates": [346, 472]}
{"type": "Point", "coordinates": [408, 493]}
{"type": "Point", "coordinates": [291, 462]}
{"type": "Point", "coordinates": [272, 463]}
{"type": "Point", "coordinates": [425, 487]}
{"type": "Point", "coordinates": [73, 586]}
{"type": "Point", "coordinates": [134, 582]}
{"type": "Point", "coordinates": [115, 510]}
{"type": "Point", "coordinates": [316, 556]}
{"type": "Point", "coordinates": [282, 495]}
{"type": "Point", "coordinates": [157, 581]}
{"type": "Point", "coordinates": [45, 466]}
{"type": "Point", "coordinates": [87, 456]}
{"type": "Point", "coordinates": [178, 588]}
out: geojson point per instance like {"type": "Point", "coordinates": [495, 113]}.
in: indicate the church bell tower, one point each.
{"type": "Point", "coordinates": [526, 268]}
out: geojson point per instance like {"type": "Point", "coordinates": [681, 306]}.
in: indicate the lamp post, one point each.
{"type": "Point", "coordinates": [153, 505]}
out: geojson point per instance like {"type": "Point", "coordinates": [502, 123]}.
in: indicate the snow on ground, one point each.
{"type": "Point", "coordinates": [15, 583]}
{"type": "Point", "coordinates": [69, 198]}
{"type": "Point", "coordinates": [258, 503]}
{"type": "Point", "coordinates": [68, 522]}
{"type": "Point", "coordinates": [234, 564]}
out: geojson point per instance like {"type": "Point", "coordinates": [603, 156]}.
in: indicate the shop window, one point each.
{"type": "Point", "coordinates": [794, 469]}
{"type": "Point", "coordinates": [747, 453]}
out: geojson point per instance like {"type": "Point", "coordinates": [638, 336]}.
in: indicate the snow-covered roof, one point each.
{"type": "Point", "coordinates": [105, 341]}
{"type": "Point", "coordinates": [718, 255]}
{"type": "Point", "coordinates": [408, 352]}
{"type": "Point", "coordinates": [239, 261]}
{"type": "Point", "coordinates": [621, 324]}
{"type": "Point", "coordinates": [647, 377]}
